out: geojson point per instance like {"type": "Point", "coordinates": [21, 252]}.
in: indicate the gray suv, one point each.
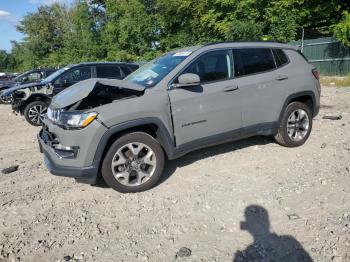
{"type": "Point", "coordinates": [123, 130]}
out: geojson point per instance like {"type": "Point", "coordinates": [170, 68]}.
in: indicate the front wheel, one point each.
{"type": "Point", "coordinates": [133, 163]}
{"type": "Point", "coordinates": [34, 112]}
{"type": "Point", "coordinates": [295, 126]}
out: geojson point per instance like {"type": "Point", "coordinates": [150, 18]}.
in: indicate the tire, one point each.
{"type": "Point", "coordinates": [133, 172]}
{"type": "Point", "coordinates": [34, 112]}
{"type": "Point", "coordinates": [293, 132]}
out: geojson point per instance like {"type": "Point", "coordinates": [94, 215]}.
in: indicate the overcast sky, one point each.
{"type": "Point", "coordinates": [11, 12]}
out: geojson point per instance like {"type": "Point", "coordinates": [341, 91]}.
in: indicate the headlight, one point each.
{"type": "Point", "coordinates": [77, 120]}
{"type": "Point", "coordinates": [71, 120]}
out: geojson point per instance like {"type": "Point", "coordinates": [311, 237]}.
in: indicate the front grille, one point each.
{"type": "Point", "coordinates": [48, 137]}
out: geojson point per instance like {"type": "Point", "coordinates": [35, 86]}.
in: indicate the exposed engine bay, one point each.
{"type": "Point", "coordinates": [103, 94]}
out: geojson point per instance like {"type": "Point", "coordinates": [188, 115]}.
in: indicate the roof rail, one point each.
{"type": "Point", "coordinates": [246, 41]}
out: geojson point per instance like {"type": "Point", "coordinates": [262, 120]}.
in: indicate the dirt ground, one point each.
{"type": "Point", "coordinates": [295, 202]}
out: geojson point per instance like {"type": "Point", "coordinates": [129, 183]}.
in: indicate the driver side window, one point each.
{"type": "Point", "coordinates": [76, 75]}
{"type": "Point", "coordinates": [213, 66]}
{"type": "Point", "coordinates": [35, 76]}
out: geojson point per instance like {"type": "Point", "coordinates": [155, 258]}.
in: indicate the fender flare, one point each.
{"type": "Point", "coordinates": [296, 95]}
{"type": "Point", "coordinates": [162, 136]}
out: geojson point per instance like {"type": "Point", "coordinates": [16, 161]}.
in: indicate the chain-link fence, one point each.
{"type": "Point", "coordinates": [327, 53]}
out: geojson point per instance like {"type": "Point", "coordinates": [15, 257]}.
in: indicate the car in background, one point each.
{"type": "Point", "coordinates": [5, 77]}
{"type": "Point", "coordinates": [32, 100]}
{"type": "Point", "coordinates": [27, 77]}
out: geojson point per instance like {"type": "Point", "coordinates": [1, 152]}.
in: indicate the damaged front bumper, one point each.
{"type": "Point", "coordinates": [69, 161]}
{"type": "Point", "coordinates": [18, 106]}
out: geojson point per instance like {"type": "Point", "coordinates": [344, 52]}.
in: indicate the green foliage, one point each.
{"type": "Point", "coordinates": [342, 29]}
{"type": "Point", "coordinates": [80, 41]}
{"type": "Point", "coordinates": [4, 59]}
{"type": "Point", "coordinates": [131, 30]}
{"type": "Point", "coordinates": [245, 31]}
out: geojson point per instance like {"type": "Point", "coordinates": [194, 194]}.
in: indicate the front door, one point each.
{"type": "Point", "coordinates": [72, 77]}
{"type": "Point", "coordinates": [212, 108]}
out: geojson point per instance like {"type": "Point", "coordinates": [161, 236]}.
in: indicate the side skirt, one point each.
{"type": "Point", "coordinates": [265, 129]}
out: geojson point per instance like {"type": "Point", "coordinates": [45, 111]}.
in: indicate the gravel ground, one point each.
{"type": "Point", "coordinates": [295, 202]}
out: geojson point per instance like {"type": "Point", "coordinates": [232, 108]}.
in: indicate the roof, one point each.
{"type": "Point", "coordinates": [233, 44]}
{"type": "Point", "coordinates": [102, 63]}
{"type": "Point", "coordinates": [249, 44]}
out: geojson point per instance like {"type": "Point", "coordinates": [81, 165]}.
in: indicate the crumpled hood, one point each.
{"type": "Point", "coordinates": [9, 91]}
{"type": "Point", "coordinates": [80, 90]}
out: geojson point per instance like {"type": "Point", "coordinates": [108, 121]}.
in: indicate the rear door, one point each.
{"type": "Point", "coordinates": [211, 108]}
{"type": "Point", "coordinates": [261, 85]}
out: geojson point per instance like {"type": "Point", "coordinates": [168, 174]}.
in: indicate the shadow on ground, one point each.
{"type": "Point", "coordinates": [201, 154]}
{"type": "Point", "coordinates": [172, 165]}
{"type": "Point", "coordinates": [268, 246]}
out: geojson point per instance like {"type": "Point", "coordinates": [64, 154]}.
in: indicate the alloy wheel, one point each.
{"type": "Point", "coordinates": [134, 164]}
{"type": "Point", "coordinates": [298, 125]}
{"type": "Point", "coordinates": [36, 114]}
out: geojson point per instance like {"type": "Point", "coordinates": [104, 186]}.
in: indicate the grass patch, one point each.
{"type": "Point", "coordinates": [341, 81]}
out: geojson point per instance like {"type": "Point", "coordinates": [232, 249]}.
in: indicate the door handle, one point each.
{"type": "Point", "coordinates": [281, 77]}
{"type": "Point", "coordinates": [230, 88]}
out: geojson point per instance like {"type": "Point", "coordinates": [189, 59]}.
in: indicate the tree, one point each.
{"type": "Point", "coordinates": [43, 35]}
{"type": "Point", "coordinates": [129, 30]}
{"type": "Point", "coordinates": [342, 29]}
{"type": "Point", "coordinates": [81, 41]}
{"type": "Point", "coordinates": [4, 59]}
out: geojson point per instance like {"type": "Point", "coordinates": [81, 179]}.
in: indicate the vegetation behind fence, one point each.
{"type": "Point", "coordinates": [328, 54]}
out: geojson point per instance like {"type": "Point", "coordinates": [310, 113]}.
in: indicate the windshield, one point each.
{"type": "Point", "coordinates": [153, 72]}
{"type": "Point", "coordinates": [56, 74]}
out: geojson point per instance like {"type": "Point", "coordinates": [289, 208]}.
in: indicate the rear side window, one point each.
{"type": "Point", "coordinates": [252, 61]}
{"type": "Point", "coordinates": [126, 69]}
{"type": "Point", "coordinates": [213, 66]}
{"type": "Point", "coordinates": [280, 57]}
{"type": "Point", "coordinates": [108, 71]}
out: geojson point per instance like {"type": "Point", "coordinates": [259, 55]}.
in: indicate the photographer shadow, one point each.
{"type": "Point", "coordinates": [268, 246]}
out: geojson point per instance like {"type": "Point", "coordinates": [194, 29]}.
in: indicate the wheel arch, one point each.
{"type": "Point", "coordinates": [152, 126]}
{"type": "Point", "coordinates": [306, 97]}
{"type": "Point", "coordinates": [38, 97]}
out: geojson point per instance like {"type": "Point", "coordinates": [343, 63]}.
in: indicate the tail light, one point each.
{"type": "Point", "coordinates": [316, 74]}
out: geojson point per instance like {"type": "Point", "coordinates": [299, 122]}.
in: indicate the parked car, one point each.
{"type": "Point", "coordinates": [32, 100]}
{"type": "Point", "coordinates": [5, 77]}
{"type": "Point", "coordinates": [180, 102]}
{"type": "Point", "coordinates": [27, 77]}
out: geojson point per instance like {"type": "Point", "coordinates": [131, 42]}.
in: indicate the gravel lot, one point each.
{"type": "Point", "coordinates": [302, 192]}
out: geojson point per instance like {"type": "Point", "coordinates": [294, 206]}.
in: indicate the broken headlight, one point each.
{"type": "Point", "coordinates": [71, 120]}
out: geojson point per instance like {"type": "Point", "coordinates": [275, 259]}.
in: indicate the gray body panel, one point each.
{"type": "Point", "coordinates": [188, 118]}
{"type": "Point", "coordinates": [82, 89]}
{"type": "Point", "coordinates": [86, 139]}
{"type": "Point", "coordinates": [204, 112]}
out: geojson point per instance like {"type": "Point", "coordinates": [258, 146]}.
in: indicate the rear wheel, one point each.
{"type": "Point", "coordinates": [134, 163]}
{"type": "Point", "coordinates": [34, 112]}
{"type": "Point", "coordinates": [295, 126]}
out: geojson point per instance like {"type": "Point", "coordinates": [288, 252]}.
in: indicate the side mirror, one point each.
{"type": "Point", "coordinates": [187, 80]}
